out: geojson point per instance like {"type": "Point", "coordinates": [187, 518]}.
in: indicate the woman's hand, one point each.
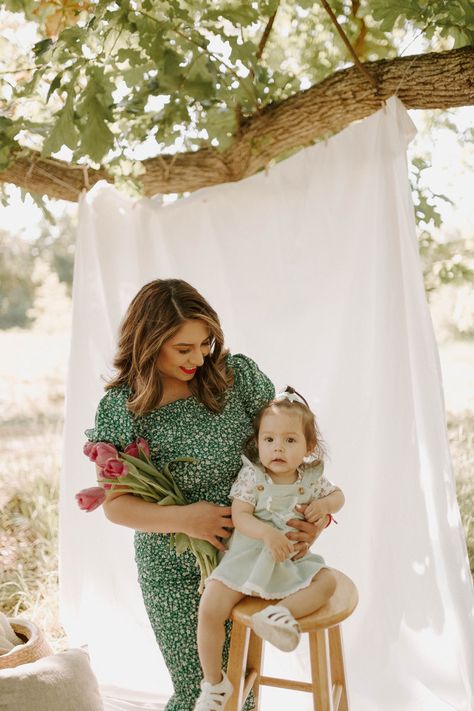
{"type": "Point", "coordinates": [208, 522]}
{"type": "Point", "coordinates": [306, 532]}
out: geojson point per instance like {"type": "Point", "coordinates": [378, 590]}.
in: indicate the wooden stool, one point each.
{"type": "Point", "coordinates": [328, 681]}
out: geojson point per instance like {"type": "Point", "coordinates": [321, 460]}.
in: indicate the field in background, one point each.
{"type": "Point", "coordinates": [32, 375]}
{"type": "Point", "coordinates": [32, 379]}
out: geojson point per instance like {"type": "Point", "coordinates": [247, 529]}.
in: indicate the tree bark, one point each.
{"type": "Point", "coordinates": [427, 81]}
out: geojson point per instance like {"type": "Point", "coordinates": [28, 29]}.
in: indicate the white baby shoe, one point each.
{"type": "Point", "coordinates": [213, 697]}
{"type": "Point", "coordinates": [276, 625]}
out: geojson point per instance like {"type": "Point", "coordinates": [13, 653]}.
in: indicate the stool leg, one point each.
{"type": "Point", "coordinates": [336, 653]}
{"type": "Point", "coordinates": [255, 662]}
{"type": "Point", "coordinates": [320, 676]}
{"type": "Point", "coordinates": [237, 665]}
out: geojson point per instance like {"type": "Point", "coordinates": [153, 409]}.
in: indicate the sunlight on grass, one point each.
{"type": "Point", "coordinates": [29, 484]}
{"type": "Point", "coordinates": [461, 442]}
{"type": "Point", "coordinates": [32, 387]}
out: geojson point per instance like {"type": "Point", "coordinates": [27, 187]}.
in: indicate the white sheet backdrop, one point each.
{"type": "Point", "coordinates": [314, 270]}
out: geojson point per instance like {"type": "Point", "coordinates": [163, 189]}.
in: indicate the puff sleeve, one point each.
{"type": "Point", "coordinates": [114, 423]}
{"type": "Point", "coordinates": [320, 485]}
{"type": "Point", "coordinates": [243, 487]}
{"type": "Point", "coordinates": [253, 387]}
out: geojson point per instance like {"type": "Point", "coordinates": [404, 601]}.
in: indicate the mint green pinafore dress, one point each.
{"type": "Point", "coordinates": [247, 565]}
{"type": "Point", "coordinates": [169, 583]}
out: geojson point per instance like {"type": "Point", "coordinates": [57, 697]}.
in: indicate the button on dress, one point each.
{"type": "Point", "coordinates": [169, 583]}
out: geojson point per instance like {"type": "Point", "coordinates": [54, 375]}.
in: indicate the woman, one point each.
{"type": "Point", "coordinates": [180, 389]}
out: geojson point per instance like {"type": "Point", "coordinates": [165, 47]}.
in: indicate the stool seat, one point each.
{"type": "Point", "coordinates": [340, 605]}
{"type": "Point", "coordinates": [328, 680]}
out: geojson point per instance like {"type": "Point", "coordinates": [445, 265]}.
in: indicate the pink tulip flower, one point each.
{"type": "Point", "coordinates": [114, 469]}
{"type": "Point", "coordinates": [90, 450]}
{"type": "Point", "coordinates": [143, 446]}
{"type": "Point", "coordinates": [135, 448]}
{"type": "Point", "coordinates": [132, 449]}
{"type": "Point", "coordinates": [90, 499]}
{"type": "Point", "coordinates": [104, 452]}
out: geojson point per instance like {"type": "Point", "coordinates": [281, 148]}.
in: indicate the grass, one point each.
{"type": "Point", "coordinates": [30, 446]}
{"type": "Point", "coordinates": [29, 486]}
{"type": "Point", "coordinates": [461, 442]}
{"type": "Point", "coordinates": [32, 380]}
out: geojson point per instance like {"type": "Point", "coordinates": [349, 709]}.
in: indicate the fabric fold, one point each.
{"type": "Point", "coordinates": [314, 271]}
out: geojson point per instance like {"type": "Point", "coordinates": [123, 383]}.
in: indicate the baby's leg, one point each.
{"type": "Point", "coordinates": [313, 597]}
{"type": "Point", "coordinates": [215, 607]}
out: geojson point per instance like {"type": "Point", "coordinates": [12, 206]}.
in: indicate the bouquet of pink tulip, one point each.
{"type": "Point", "coordinates": [133, 473]}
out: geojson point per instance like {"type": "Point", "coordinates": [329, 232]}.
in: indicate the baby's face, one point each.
{"type": "Point", "coordinates": [281, 442]}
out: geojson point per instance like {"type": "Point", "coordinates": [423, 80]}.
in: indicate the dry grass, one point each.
{"type": "Point", "coordinates": [32, 388]}
{"type": "Point", "coordinates": [461, 442]}
{"type": "Point", "coordinates": [30, 445]}
{"type": "Point", "coordinates": [29, 484]}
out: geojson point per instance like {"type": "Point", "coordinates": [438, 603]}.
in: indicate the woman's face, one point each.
{"type": "Point", "coordinates": [182, 354]}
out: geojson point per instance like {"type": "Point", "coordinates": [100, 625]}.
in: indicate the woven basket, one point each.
{"type": "Point", "coordinates": [35, 645]}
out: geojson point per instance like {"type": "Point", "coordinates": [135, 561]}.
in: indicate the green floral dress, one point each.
{"type": "Point", "coordinates": [169, 583]}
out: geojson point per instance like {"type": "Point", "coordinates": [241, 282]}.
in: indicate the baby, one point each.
{"type": "Point", "coordinates": [288, 470]}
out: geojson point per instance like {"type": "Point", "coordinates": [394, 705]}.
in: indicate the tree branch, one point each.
{"type": "Point", "coordinates": [346, 41]}
{"type": "Point", "coordinates": [427, 81]}
{"type": "Point", "coordinates": [359, 45]}
{"type": "Point", "coordinates": [266, 34]}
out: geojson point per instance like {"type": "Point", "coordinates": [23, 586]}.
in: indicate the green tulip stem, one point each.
{"type": "Point", "coordinates": [151, 484]}
{"type": "Point", "coordinates": [144, 479]}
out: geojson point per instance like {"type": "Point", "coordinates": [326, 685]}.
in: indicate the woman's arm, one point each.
{"type": "Point", "coordinates": [200, 520]}
{"type": "Point", "coordinates": [244, 520]}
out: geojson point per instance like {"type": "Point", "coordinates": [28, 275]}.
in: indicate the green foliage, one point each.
{"type": "Point", "coordinates": [450, 262]}
{"type": "Point", "coordinates": [94, 114]}
{"type": "Point", "coordinates": [453, 19]}
{"type": "Point", "coordinates": [182, 74]}
{"type": "Point", "coordinates": [17, 289]}
{"type": "Point", "coordinates": [425, 209]}
{"type": "Point", "coordinates": [98, 80]}
{"type": "Point", "coordinates": [64, 132]}
{"type": "Point", "coordinates": [8, 131]}
{"type": "Point", "coordinates": [56, 245]}
{"type": "Point", "coordinates": [446, 262]}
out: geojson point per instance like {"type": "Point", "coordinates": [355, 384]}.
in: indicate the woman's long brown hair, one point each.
{"type": "Point", "coordinates": [154, 316]}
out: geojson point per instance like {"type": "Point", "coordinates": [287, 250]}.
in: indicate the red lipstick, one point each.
{"type": "Point", "coordinates": [188, 371]}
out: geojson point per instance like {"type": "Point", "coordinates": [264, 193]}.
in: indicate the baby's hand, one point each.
{"type": "Point", "coordinates": [278, 544]}
{"type": "Point", "coordinates": [315, 512]}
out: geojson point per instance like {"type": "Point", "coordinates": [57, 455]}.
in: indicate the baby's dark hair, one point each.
{"type": "Point", "coordinates": [311, 431]}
